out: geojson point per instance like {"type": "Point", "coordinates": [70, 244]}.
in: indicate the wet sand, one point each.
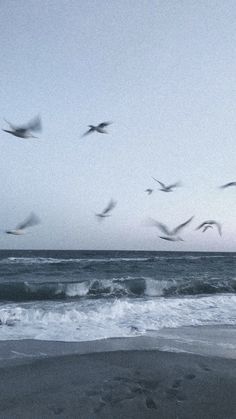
{"type": "Point", "coordinates": [120, 384]}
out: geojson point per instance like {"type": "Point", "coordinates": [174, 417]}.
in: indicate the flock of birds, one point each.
{"type": "Point", "coordinates": [173, 235]}
{"type": "Point", "coordinates": [35, 125]}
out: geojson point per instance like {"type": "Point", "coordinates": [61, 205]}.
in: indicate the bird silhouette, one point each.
{"type": "Point", "coordinates": [171, 235]}
{"type": "Point", "coordinates": [30, 221]}
{"type": "Point", "coordinates": [24, 131]}
{"type": "Point", "coordinates": [106, 212]}
{"type": "Point", "coordinates": [167, 188]}
{"type": "Point", "coordinates": [97, 128]}
{"type": "Point", "coordinates": [211, 223]}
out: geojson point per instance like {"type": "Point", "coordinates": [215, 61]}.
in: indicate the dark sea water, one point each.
{"type": "Point", "coordinates": [87, 295]}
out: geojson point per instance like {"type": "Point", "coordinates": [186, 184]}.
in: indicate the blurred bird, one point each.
{"type": "Point", "coordinates": [25, 130]}
{"type": "Point", "coordinates": [98, 128]}
{"type": "Point", "coordinates": [167, 188]}
{"type": "Point", "coordinates": [170, 235]}
{"type": "Point", "coordinates": [31, 221]}
{"type": "Point", "coordinates": [149, 191]}
{"type": "Point", "coordinates": [210, 223]}
{"type": "Point", "coordinates": [227, 185]}
{"type": "Point", "coordinates": [107, 210]}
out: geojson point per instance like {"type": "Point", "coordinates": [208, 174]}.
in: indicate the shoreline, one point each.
{"type": "Point", "coordinates": [213, 341]}
{"type": "Point", "coordinates": [134, 378]}
{"type": "Point", "coordinates": [130, 384]}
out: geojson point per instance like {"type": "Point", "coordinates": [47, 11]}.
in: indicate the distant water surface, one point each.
{"type": "Point", "coordinates": [87, 295]}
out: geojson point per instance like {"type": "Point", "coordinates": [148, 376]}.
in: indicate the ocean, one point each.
{"type": "Point", "coordinates": [76, 296]}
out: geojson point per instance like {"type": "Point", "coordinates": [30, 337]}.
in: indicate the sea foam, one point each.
{"type": "Point", "coordinates": [97, 319]}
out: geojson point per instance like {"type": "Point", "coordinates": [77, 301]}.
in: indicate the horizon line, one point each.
{"type": "Point", "coordinates": [114, 250]}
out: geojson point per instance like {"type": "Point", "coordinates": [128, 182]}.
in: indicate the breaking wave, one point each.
{"type": "Point", "coordinates": [97, 319]}
{"type": "Point", "coordinates": [112, 288]}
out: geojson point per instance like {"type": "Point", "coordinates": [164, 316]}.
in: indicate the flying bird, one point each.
{"type": "Point", "coordinates": [30, 221]}
{"type": "Point", "coordinates": [227, 185]}
{"type": "Point", "coordinates": [149, 191]}
{"type": "Point", "coordinates": [98, 128]}
{"type": "Point", "coordinates": [107, 210]}
{"type": "Point", "coordinates": [25, 131]}
{"type": "Point", "coordinates": [211, 223]}
{"type": "Point", "coordinates": [171, 235]}
{"type": "Point", "coordinates": [167, 188]}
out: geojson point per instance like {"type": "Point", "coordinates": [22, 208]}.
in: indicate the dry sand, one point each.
{"type": "Point", "coordinates": [121, 384]}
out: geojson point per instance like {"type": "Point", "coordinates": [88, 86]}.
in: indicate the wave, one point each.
{"type": "Point", "coordinates": [52, 260]}
{"type": "Point", "coordinates": [133, 287]}
{"type": "Point", "coordinates": [97, 319]}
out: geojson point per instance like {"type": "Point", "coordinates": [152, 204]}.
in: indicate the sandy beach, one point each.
{"type": "Point", "coordinates": [116, 384]}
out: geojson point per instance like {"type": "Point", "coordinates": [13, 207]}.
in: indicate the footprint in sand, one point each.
{"type": "Point", "coordinates": [175, 391]}
{"type": "Point", "coordinates": [150, 403]}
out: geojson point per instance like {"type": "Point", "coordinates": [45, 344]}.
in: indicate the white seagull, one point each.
{"type": "Point", "coordinates": [167, 188]}
{"type": "Point", "coordinates": [211, 223]}
{"type": "Point", "coordinates": [24, 131]}
{"type": "Point", "coordinates": [171, 235]}
{"type": "Point", "coordinates": [106, 212]}
{"type": "Point", "coordinates": [97, 128]}
{"type": "Point", "coordinates": [31, 221]}
{"type": "Point", "coordinates": [227, 185]}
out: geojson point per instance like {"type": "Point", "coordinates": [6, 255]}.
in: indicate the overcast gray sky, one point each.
{"type": "Point", "coordinates": [164, 72]}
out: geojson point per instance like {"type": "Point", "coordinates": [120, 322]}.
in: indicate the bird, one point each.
{"type": "Point", "coordinates": [211, 223]}
{"type": "Point", "coordinates": [98, 128]}
{"type": "Point", "coordinates": [30, 221]}
{"type": "Point", "coordinates": [106, 212]}
{"type": "Point", "coordinates": [227, 185]}
{"type": "Point", "coordinates": [24, 131]}
{"type": "Point", "coordinates": [149, 191]}
{"type": "Point", "coordinates": [167, 188]}
{"type": "Point", "coordinates": [171, 235]}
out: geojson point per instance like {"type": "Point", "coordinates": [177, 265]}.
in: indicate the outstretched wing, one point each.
{"type": "Point", "coordinates": [170, 239]}
{"type": "Point", "coordinates": [228, 184]}
{"type": "Point", "coordinates": [174, 185]}
{"type": "Point", "coordinates": [160, 183]}
{"type": "Point", "coordinates": [211, 222]}
{"type": "Point", "coordinates": [181, 226]}
{"type": "Point", "coordinates": [104, 124]}
{"type": "Point", "coordinates": [14, 127]}
{"type": "Point", "coordinates": [31, 221]}
{"type": "Point", "coordinates": [162, 227]}
{"type": "Point", "coordinates": [90, 130]}
{"type": "Point", "coordinates": [35, 124]}
{"type": "Point", "coordinates": [218, 225]}
{"type": "Point", "coordinates": [110, 206]}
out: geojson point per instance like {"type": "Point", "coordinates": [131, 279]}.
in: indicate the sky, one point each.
{"type": "Point", "coordinates": [163, 71]}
